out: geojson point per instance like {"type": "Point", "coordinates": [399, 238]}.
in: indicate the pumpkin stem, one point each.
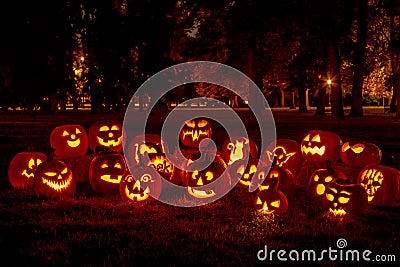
{"type": "Point", "coordinates": [273, 184]}
{"type": "Point", "coordinates": [51, 154]}
{"type": "Point", "coordinates": [329, 165]}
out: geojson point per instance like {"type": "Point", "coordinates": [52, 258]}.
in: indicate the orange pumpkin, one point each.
{"type": "Point", "coordinates": [360, 154]}
{"type": "Point", "coordinates": [238, 148]}
{"type": "Point", "coordinates": [106, 133]}
{"type": "Point", "coordinates": [271, 200]}
{"type": "Point", "coordinates": [142, 146]}
{"type": "Point", "coordinates": [194, 131]}
{"type": "Point", "coordinates": [69, 141]}
{"type": "Point", "coordinates": [22, 168]}
{"type": "Point", "coordinates": [317, 146]}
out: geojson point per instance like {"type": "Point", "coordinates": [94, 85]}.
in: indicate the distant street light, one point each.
{"type": "Point", "coordinates": [329, 81]}
{"type": "Point", "coordinates": [82, 58]}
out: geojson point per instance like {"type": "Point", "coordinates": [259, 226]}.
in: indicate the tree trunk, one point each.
{"type": "Point", "coordinates": [292, 101]}
{"type": "Point", "coordinates": [321, 100]}
{"type": "Point", "coordinates": [302, 100]}
{"type": "Point", "coordinates": [336, 86]}
{"type": "Point", "coordinates": [359, 60]}
{"type": "Point", "coordinates": [282, 90]}
{"type": "Point", "coordinates": [396, 88]}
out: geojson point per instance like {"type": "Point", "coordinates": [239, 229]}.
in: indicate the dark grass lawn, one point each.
{"type": "Point", "coordinates": [95, 229]}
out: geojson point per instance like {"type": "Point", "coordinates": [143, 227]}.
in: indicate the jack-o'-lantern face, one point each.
{"type": "Point", "coordinates": [22, 168]}
{"type": "Point", "coordinates": [69, 141]}
{"type": "Point", "coordinates": [194, 131]}
{"type": "Point", "coordinates": [148, 182]}
{"type": "Point", "coordinates": [282, 156]}
{"type": "Point", "coordinates": [344, 197]}
{"type": "Point", "coordinates": [238, 148]}
{"type": "Point", "coordinates": [106, 133]}
{"type": "Point", "coordinates": [317, 146]}
{"type": "Point", "coordinates": [142, 146]}
{"type": "Point", "coordinates": [371, 180]}
{"type": "Point", "coordinates": [106, 172]}
{"type": "Point", "coordinates": [247, 172]}
{"type": "Point", "coordinates": [54, 178]}
{"type": "Point", "coordinates": [285, 180]}
{"type": "Point", "coordinates": [271, 202]}
{"type": "Point", "coordinates": [162, 165]}
{"type": "Point", "coordinates": [359, 154]}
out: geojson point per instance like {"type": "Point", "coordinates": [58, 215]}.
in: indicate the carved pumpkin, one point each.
{"type": "Point", "coordinates": [143, 145]}
{"type": "Point", "coordinates": [54, 179]}
{"type": "Point", "coordinates": [165, 168]}
{"type": "Point", "coordinates": [237, 148]}
{"type": "Point", "coordinates": [106, 171]}
{"type": "Point", "coordinates": [22, 168]}
{"type": "Point", "coordinates": [317, 146]}
{"type": "Point", "coordinates": [147, 182]}
{"type": "Point", "coordinates": [343, 197]}
{"type": "Point", "coordinates": [106, 133]}
{"type": "Point", "coordinates": [201, 172]}
{"type": "Point", "coordinates": [360, 154]}
{"type": "Point", "coordinates": [285, 180]}
{"type": "Point", "coordinates": [242, 172]}
{"type": "Point", "coordinates": [69, 141]}
{"type": "Point", "coordinates": [193, 131]}
{"type": "Point", "coordinates": [319, 180]}
{"type": "Point", "coordinates": [287, 153]}
{"type": "Point", "coordinates": [381, 183]}
{"type": "Point", "coordinates": [271, 200]}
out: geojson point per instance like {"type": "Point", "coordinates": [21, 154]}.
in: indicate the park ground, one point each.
{"type": "Point", "coordinates": [101, 230]}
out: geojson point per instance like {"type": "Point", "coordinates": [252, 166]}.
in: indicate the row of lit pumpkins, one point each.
{"type": "Point", "coordinates": [108, 168]}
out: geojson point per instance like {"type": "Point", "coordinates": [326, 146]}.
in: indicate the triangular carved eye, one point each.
{"type": "Point", "coordinates": [104, 165]}
{"type": "Point", "coordinates": [316, 138]}
{"type": "Point", "coordinates": [114, 128]}
{"type": "Point", "coordinates": [50, 174]}
{"type": "Point", "coordinates": [65, 133]}
{"type": "Point", "coordinates": [276, 203]}
{"type": "Point", "coordinates": [64, 171]}
{"type": "Point", "coordinates": [117, 166]}
{"type": "Point", "coordinates": [190, 124]}
{"type": "Point", "coordinates": [77, 131]}
{"type": "Point", "coordinates": [345, 147]}
{"type": "Point", "coordinates": [202, 123]}
{"type": "Point", "coordinates": [31, 163]}
{"type": "Point", "coordinates": [104, 128]}
{"type": "Point", "coordinates": [259, 202]}
{"type": "Point", "coordinates": [307, 138]}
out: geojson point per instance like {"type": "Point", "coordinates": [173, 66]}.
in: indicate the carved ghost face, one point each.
{"type": "Point", "coordinates": [54, 178]}
{"type": "Point", "coordinates": [22, 168]}
{"type": "Point", "coordinates": [106, 133]}
{"type": "Point", "coordinates": [69, 141]}
{"type": "Point", "coordinates": [194, 131]}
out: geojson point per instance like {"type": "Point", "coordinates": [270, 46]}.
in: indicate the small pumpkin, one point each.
{"type": "Point", "coordinates": [142, 146]}
{"type": "Point", "coordinates": [106, 171]}
{"type": "Point", "coordinates": [271, 200]}
{"type": "Point", "coordinates": [360, 154]}
{"type": "Point", "coordinates": [22, 168]}
{"type": "Point", "coordinates": [146, 185]}
{"type": "Point", "coordinates": [106, 133]}
{"type": "Point", "coordinates": [319, 180]}
{"type": "Point", "coordinates": [69, 141]}
{"type": "Point", "coordinates": [238, 148]}
{"type": "Point", "coordinates": [343, 196]}
{"type": "Point", "coordinates": [165, 168]}
{"type": "Point", "coordinates": [381, 183]}
{"type": "Point", "coordinates": [54, 178]}
{"type": "Point", "coordinates": [194, 131]}
{"type": "Point", "coordinates": [242, 172]}
{"type": "Point", "coordinates": [287, 153]}
{"type": "Point", "coordinates": [317, 146]}
{"type": "Point", "coordinates": [204, 177]}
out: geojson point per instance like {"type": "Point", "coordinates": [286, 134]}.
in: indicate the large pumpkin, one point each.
{"type": "Point", "coordinates": [165, 168]}
{"type": "Point", "coordinates": [242, 172]}
{"type": "Point", "coordinates": [54, 179]}
{"type": "Point", "coordinates": [317, 146]}
{"type": "Point", "coordinates": [342, 196]}
{"type": "Point", "coordinates": [271, 200]}
{"type": "Point", "coordinates": [287, 153]}
{"type": "Point", "coordinates": [194, 131]}
{"type": "Point", "coordinates": [238, 148]}
{"type": "Point", "coordinates": [205, 178]}
{"type": "Point", "coordinates": [22, 168]}
{"type": "Point", "coordinates": [381, 183]}
{"type": "Point", "coordinates": [144, 185]}
{"type": "Point", "coordinates": [360, 154]}
{"type": "Point", "coordinates": [106, 171]}
{"type": "Point", "coordinates": [106, 133]}
{"type": "Point", "coordinates": [69, 141]}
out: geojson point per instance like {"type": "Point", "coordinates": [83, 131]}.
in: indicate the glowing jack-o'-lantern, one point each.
{"type": "Point", "coordinates": [284, 179]}
{"type": "Point", "coordinates": [317, 146]}
{"type": "Point", "coordinates": [143, 146]}
{"type": "Point", "coordinates": [360, 154]}
{"type": "Point", "coordinates": [271, 200]}
{"type": "Point", "coordinates": [194, 131]}
{"type": "Point", "coordinates": [22, 168]}
{"type": "Point", "coordinates": [69, 141]}
{"type": "Point", "coordinates": [343, 197]}
{"type": "Point", "coordinates": [201, 173]}
{"type": "Point", "coordinates": [238, 148]}
{"type": "Point", "coordinates": [106, 171]}
{"type": "Point", "coordinates": [319, 180]}
{"type": "Point", "coordinates": [53, 179]}
{"type": "Point", "coordinates": [287, 153]}
{"type": "Point", "coordinates": [165, 168]}
{"type": "Point", "coordinates": [147, 182]}
{"type": "Point", "coordinates": [106, 133]}
{"type": "Point", "coordinates": [243, 172]}
{"type": "Point", "coordinates": [381, 183]}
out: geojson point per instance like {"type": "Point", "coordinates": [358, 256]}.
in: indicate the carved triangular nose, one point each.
{"type": "Point", "coordinates": [200, 181]}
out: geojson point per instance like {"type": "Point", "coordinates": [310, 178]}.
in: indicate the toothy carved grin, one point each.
{"type": "Point", "coordinates": [28, 175]}
{"type": "Point", "coordinates": [195, 134]}
{"type": "Point", "coordinates": [57, 185]}
{"type": "Point", "coordinates": [200, 193]}
{"type": "Point", "coordinates": [339, 212]}
{"type": "Point", "coordinates": [113, 180]}
{"type": "Point", "coordinates": [138, 196]}
{"type": "Point", "coordinates": [74, 143]}
{"type": "Point", "coordinates": [109, 143]}
{"type": "Point", "coordinates": [313, 150]}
